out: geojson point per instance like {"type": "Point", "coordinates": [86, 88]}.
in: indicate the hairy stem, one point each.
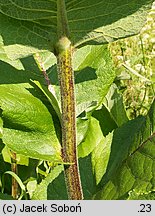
{"type": "Point", "coordinates": [66, 79]}
{"type": "Point", "coordinates": [69, 147]}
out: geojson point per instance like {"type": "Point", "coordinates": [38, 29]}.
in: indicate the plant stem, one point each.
{"type": "Point", "coordinates": [69, 148]}
{"type": "Point", "coordinates": [66, 79]}
{"type": "Point", "coordinates": [14, 169]}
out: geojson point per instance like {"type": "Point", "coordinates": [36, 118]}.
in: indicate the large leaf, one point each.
{"type": "Point", "coordinates": [28, 126]}
{"type": "Point", "coordinates": [131, 163]}
{"type": "Point", "coordinates": [102, 21]}
{"type": "Point", "coordinates": [33, 26]}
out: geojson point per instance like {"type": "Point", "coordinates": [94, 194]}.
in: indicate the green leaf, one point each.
{"type": "Point", "coordinates": [41, 192]}
{"type": "Point", "coordinates": [29, 26]}
{"type": "Point", "coordinates": [102, 21]}
{"type": "Point", "coordinates": [28, 125]}
{"type": "Point", "coordinates": [114, 103]}
{"type": "Point", "coordinates": [26, 37]}
{"type": "Point", "coordinates": [131, 164]}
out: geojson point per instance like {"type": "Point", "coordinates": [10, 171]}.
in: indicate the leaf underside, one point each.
{"type": "Point", "coordinates": [30, 26]}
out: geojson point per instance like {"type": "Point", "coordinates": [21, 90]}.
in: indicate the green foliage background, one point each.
{"type": "Point", "coordinates": [115, 102]}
